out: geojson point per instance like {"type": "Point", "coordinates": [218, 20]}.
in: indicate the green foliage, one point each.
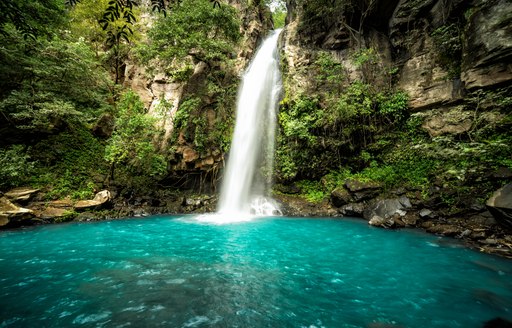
{"type": "Point", "coordinates": [448, 43]}
{"type": "Point", "coordinates": [317, 133]}
{"type": "Point", "coordinates": [194, 28]}
{"type": "Point", "coordinates": [48, 82]}
{"type": "Point", "coordinates": [182, 115]}
{"type": "Point", "coordinates": [131, 143]}
{"type": "Point", "coordinates": [394, 105]}
{"type": "Point", "coordinates": [365, 56]}
{"type": "Point", "coordinates": [299, 116]}
{"type": "Point", "coordinates": [278, 14]}
{"type": "Point", "coordinates": [31, 18]}
{"type": "Point", "coordinates": [330, 73]}
{"type": "Point", "coordinates": [15, 166]}
{"type": "Point", "coordinates": [312, 190]}
{"type": "Point", "coordinates": [69, 164]}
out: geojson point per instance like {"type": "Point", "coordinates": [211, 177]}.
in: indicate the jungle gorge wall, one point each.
{"type": "Point", "coordinates": [194, 103]}
{"type": "Point", "coordinates": [385, 99]}
{"type": "Point", "coordinates": [356, 61]}
{"type": "Point", "coordinates": [382, 100]}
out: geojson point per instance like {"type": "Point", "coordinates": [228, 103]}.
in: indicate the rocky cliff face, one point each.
{"type": "Point", "coordinates": [452, 58]}
{"type": "Point", "coordinates": [442, 48]}
{"type": "Point", "coordinates": [207, 96]}
{"type": "Point", "coordinates": [413, 95]}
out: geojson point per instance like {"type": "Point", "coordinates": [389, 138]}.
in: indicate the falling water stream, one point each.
{"type": "Point", "coordinates": [249, 169]}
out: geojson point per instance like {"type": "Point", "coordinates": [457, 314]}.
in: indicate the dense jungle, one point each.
{"type": "Point", "coordinates": [395, 111]}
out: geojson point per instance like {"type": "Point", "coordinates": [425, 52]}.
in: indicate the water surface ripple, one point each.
{"type": "Point", "coordinates": [270, 272]}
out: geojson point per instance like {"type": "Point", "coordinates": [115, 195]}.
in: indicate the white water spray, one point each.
{"type": "Point", "coordinates": [249, 169]}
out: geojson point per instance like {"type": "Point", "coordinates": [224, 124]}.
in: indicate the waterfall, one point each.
{"type": "Point", "coordinates": [248, 173]}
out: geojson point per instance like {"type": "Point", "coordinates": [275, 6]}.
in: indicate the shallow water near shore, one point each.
{"type": "Point", "coordinates": [269, 272]}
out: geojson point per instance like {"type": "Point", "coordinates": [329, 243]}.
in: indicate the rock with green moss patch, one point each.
{"type": "Point", "coordinates": [340, 196]}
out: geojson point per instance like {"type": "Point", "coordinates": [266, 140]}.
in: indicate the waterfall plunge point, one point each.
{"type": "Point", "coordinates": [248, 173]}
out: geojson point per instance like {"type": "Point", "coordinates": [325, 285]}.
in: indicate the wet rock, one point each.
{"type": "Point", "coordinates": [198, 204]}
{"type": "Point", "coordinates": [488, 45]}
{"type": "Point", "coordinates": [478, 234]}
{"type": "Point", "coordinates": [427, 214]}
{"type": "Point", "coordinates": [444, 229]}
{"type": "Point", "coordinates": [489, 241]}
{"type": "Point", "coordinates": [287, 189]}
{"type": "Point", "coordinates": [447, 121]}
{"type": "Point", "coordinates": [86, 217]}
{"type": "Point", "coordinates": [378, 221]}
{"type": "Point", "coordinates": [104, 127]}
{"type": "Point", "coordinates": [61, 203]}
{"type": "Point", "coordinates": [101, 199]}
{"type": "Point", "coordinates": [362, 190]}
{"type": "Point", "coordinates": [353, 209]}
{"type": "Point", "coordinates": [386, 208]}
{"type": "Point", "coordinates": [53, 213]}
{"type": "Point", "coordinates": [410, 219]}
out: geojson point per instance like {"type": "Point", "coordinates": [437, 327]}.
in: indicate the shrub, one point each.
{"type": "Point", "coordinates": [15, 166]}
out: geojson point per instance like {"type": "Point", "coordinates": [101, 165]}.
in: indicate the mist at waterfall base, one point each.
{"type": "Point", "coordinates": [248, 173]}
{"type": "Point", "coordinates": [271, 272]}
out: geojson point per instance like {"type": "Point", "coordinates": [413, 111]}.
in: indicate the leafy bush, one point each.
{"type": "Point", "coordinates": [193, 28]}
{"type": "Point", "coordinates": [131, 143]}
{"type": "Point", "coordinates": [312, 190]}
{"type": "Point", "coordinates": [57, 82]}
{"type": "Point", "coordinates": [70, 163]}
{"type": "Point", "coordinates": [15, 166]}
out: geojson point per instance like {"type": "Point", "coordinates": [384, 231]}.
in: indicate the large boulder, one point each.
{"type": "Point", "coordinates": [362, 190]}
{"type": "Point", "coordinates": [500, 206]}
{"type": "Point", "coordinates": [387, 212]}
{"type": "Point", "coordinates": [101, 199]}
{"type": "Point", "coordinates": [340, 196]}
{"type": "Point", "coordinates": [11, 214]}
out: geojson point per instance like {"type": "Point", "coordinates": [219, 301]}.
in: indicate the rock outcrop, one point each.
{"type": "Point", "coordinates": [12, 215]}
{"type": "Point", "coordinates": [500, 205]}
{"type": "Point", "coordinates": [441, 47]}
{"type": "Point", "coordinates": [102, 198]}
{"type": "Point", "coordinates": [387, 212]}
{"type": "Point", "coordinates": [487, 50]}
{"type": "Point", "coordinates": [22, 194]}
{"type": "Point", "coordinates": [163, 95]}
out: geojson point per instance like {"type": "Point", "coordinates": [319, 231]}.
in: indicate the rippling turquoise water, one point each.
{"type": "Point", "coordinates": [272, 272]}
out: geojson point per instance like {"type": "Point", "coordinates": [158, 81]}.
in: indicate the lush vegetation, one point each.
{"type": "Point", "coordinates": [321, 132]}
{"type": "Point", "coordinates": [333, 130]}
{"type": "Point", "coordinates": [61, 71]}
